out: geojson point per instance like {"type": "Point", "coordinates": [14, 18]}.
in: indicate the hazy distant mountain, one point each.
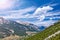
{"type": "Point", "coordinates": [8, 27]}
{"type": "Point", "coordinates": [31, 26]}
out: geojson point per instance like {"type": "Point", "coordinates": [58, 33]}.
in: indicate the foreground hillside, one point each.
{"type": "Point", "coordinates": [50, 33]}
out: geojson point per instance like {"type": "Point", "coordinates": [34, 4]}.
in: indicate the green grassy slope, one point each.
{"type": "Point", "coordinates": [47, 32]}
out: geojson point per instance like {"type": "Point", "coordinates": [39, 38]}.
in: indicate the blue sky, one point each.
{"type": "Point", "coordinates": [38, 12]}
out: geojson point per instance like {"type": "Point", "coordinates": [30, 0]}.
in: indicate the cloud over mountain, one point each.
{"type": "Point", "coordinates": [34, 12]}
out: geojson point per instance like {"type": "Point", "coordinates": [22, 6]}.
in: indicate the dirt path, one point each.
{"type": "Point", "coordinates": [52, 35]}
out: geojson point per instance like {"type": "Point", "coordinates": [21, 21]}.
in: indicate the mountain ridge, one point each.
{"type": "Point", "coordinates": [8, 27]}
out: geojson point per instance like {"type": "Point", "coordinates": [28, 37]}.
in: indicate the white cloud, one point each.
{"type": "Point", "coordinates": [42, 10]}
{"type": "Point", "coordinates": [17, 13]}
{"type": "Point", "coordinates": [40, 13]}
{"type": "Point", "coordinates": [41, 17]}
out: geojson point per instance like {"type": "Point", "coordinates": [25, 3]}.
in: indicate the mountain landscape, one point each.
{"type": "Point", "coordinates": [29, 19]}
{"type": "Point", "coordinates": [50, 33]}
{"type": "Point", "coordinates": [8, 27]}
{"type": "Point", "coordinates": [26, 31]}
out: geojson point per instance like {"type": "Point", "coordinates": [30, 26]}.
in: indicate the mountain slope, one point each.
{"type": "Point", "coordinates": [8, 27]}
{"type": "Point", "coordinates": [47, 32]}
